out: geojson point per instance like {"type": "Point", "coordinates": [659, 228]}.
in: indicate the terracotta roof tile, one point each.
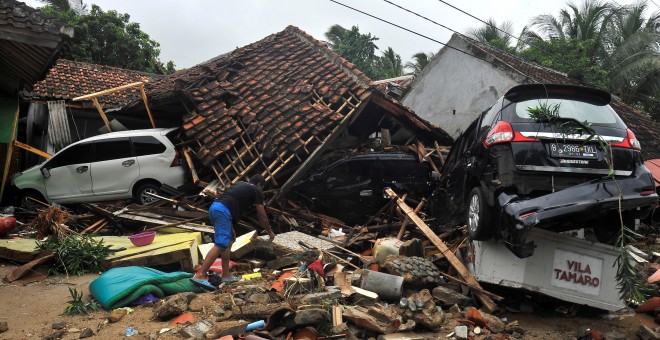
{"type": "Point", "coordinates": [273, 82]}
{"type": "Point", "coordinates": [69, 79]}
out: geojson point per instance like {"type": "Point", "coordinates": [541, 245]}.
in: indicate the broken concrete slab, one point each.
{"type": "Point", "coordinates": [373, 321]}
{"type": "Point", "coordinates": [197, 330]}
{"type": "Point", "coordinates": [322, 297]}
{"type": "Point", "coordinates": [287, 243]}
{"type": "Point", "coordinates": [448, 296]}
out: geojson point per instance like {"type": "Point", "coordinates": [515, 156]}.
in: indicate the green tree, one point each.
{"type": "Point", "coordinates": [634, 57]}
{"type": "Point", "coordinates": [569, 56]}
{"type": "Point", "coordinates": [107, 38]}
{"type": "Point", "coordinates": [587, 22]}
{"type": "Point", "coordinates": [492, 34]}
{"type": "Point", "coordinates": [389, 65]}
{"type": "Point", "coordinates": [358, 48]}
{"type": "Point", "coordinates": [420, 60]}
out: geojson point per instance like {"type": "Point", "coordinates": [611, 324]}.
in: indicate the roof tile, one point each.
{"type": "Point", "coordinates": [70, 79]}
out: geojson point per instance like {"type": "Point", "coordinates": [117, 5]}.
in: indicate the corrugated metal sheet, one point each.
{"type": "Point", "coordinates": [59, 134]}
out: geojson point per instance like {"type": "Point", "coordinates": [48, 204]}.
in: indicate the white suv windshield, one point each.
{"type": "Point", "coordinates": [568, 108]}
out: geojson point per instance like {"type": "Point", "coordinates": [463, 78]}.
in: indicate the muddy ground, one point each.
{"type": "Point", "coordinates": [31, 311]}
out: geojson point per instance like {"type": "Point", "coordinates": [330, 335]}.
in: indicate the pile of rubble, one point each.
{"type": "Point", "coordinates": [394, 277]}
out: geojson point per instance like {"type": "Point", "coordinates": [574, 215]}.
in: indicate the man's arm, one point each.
{"type": "Point", "coordinates": [263, 220]}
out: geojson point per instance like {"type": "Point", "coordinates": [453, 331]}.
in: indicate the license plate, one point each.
{"type": "Point", "coordinates": [562, 150]}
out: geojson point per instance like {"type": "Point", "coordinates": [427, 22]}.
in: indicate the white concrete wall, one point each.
{"type": "Point", "coordinates": [456, 82]}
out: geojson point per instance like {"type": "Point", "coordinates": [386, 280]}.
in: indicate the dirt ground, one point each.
{"type": "Point", "coordinates": [31, 310]}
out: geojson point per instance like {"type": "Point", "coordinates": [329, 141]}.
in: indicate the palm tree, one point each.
{"type": "Point", "coordinates": [584, 23]}
{"type": "Point", "coordinates": [633, 43]}
{"type": "Point", "coordinates": [77, 6]}
{"type": "Point", "coordinates": [390, 65]}
{"type": "Point", "coordinates": [421, 59]}
{"type": "Point", "coordinates": [492, 34]}
{"type": "Point", "coordinates": [356, 47]}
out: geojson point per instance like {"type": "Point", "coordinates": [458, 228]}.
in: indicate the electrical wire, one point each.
{"type": "Point", "coordinates": [419, 34]}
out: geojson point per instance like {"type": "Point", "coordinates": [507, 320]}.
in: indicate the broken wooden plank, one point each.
{"type": "Point", "coordinates": [93, 226]}
{"type": "Point", "coordinates": [406, 219]}
{"type": "Point", "coordinates": [453, 260]}
{"type": "Point", "coordinates": [33, 150]}
{"type": "Point", "coordinates": [191, 165]}
{"type": "Point", "coordinates": [440, 156]}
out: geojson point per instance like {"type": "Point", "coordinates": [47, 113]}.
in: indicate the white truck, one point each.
{"type": "Point", "coordinates": [563, 266]}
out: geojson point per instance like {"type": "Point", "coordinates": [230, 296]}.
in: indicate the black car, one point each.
{"type": "Point", "coordinates": [548, 156]}
{"type": "Point", "coordinates": [351, 187]}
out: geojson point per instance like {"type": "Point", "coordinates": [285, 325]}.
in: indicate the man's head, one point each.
{"type": "Point", "coordinates": [258, 181]}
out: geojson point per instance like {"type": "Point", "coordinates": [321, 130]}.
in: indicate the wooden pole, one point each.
{"type": "Point", "coordinates": [453, 260]}
{"type": "Point", "coordinates": [146, 105]}
{"type": "Point", "coordinates": [108, 91]}
{"type": "Point", "coordinates": [100, 110]}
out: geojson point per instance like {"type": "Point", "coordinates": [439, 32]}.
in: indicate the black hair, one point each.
{"type": "Point", "coordinates": [258, 179]}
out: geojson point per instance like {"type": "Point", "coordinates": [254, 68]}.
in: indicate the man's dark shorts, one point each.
{"type": "Point", "coordinates": [222, 224]}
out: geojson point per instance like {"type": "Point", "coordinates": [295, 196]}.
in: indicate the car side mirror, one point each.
{"type": "Point", "coordinates": [45, 172]}
{"type": "Point", "coordinates": [330, 182]}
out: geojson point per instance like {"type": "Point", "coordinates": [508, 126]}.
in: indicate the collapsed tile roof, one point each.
{"type": "Point", "coordinates": [280, 91]}
{"type": "Point", "coordinates": [70, 79]}
{"type": "Point", "coordinates": [645, 128]}
{"type": "Point", "coordinates": [29, 41]}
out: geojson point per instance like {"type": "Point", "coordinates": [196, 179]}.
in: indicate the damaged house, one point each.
{"type": "Point", "coordinates": [56, 117]}
{"type": "Point", "coordinates": [277, 105]}
{"type": "Point", "coordinates": [29, 43]}
{"type": "Point", "coordinates": [274, 107]}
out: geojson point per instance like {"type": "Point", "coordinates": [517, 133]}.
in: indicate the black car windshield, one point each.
{"type": "Point", "coordinates": [569, 108]}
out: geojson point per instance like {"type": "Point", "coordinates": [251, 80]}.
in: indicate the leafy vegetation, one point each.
{"type": "Point", "coordinates": [360, 49]}
{"type": "Point", "coordinates": [76, 255]}
{"type": "Point", "coordinates": [77, 306]}
{"type": "Point", "coordinates": [107, 38]}
{"type": "Point", "coordinates": [599, 43]}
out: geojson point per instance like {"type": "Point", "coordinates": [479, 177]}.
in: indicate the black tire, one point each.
{"type": "Point", "coordinates": [141, 195]}
{"type": "Point", "coordinates": [479, 216]}
{"type": "Point", "coordinates": [607, 230]}
{"type": "Point", "coordinates": [25, 202]}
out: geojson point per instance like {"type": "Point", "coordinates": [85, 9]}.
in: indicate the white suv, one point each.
{"type": "Point", "coordinates": [116, 165]}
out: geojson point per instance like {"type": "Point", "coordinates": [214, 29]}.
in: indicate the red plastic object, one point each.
{"type": "Point", "coordinates": [217, 266]}
{"type": "Point", "coordinates": [185, 318]}
{"type": "Point", "coordinates": [7, 224]}
{"type": "Point", "coordinates": [279, 284]}
{"type": "Point", "coordinates": [142, 239]}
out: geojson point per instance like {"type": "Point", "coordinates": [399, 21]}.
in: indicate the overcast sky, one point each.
{"type": "Point", "coordinates": [193, 31]}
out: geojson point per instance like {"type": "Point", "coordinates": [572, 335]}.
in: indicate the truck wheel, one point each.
{"type": "Point", "coordinates": [479, 221]}
{"type": "Point", "coordinates": [142, 193]}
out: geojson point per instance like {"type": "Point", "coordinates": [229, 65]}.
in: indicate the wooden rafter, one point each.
{"type": "Point", "coordinates": [94, 98]}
